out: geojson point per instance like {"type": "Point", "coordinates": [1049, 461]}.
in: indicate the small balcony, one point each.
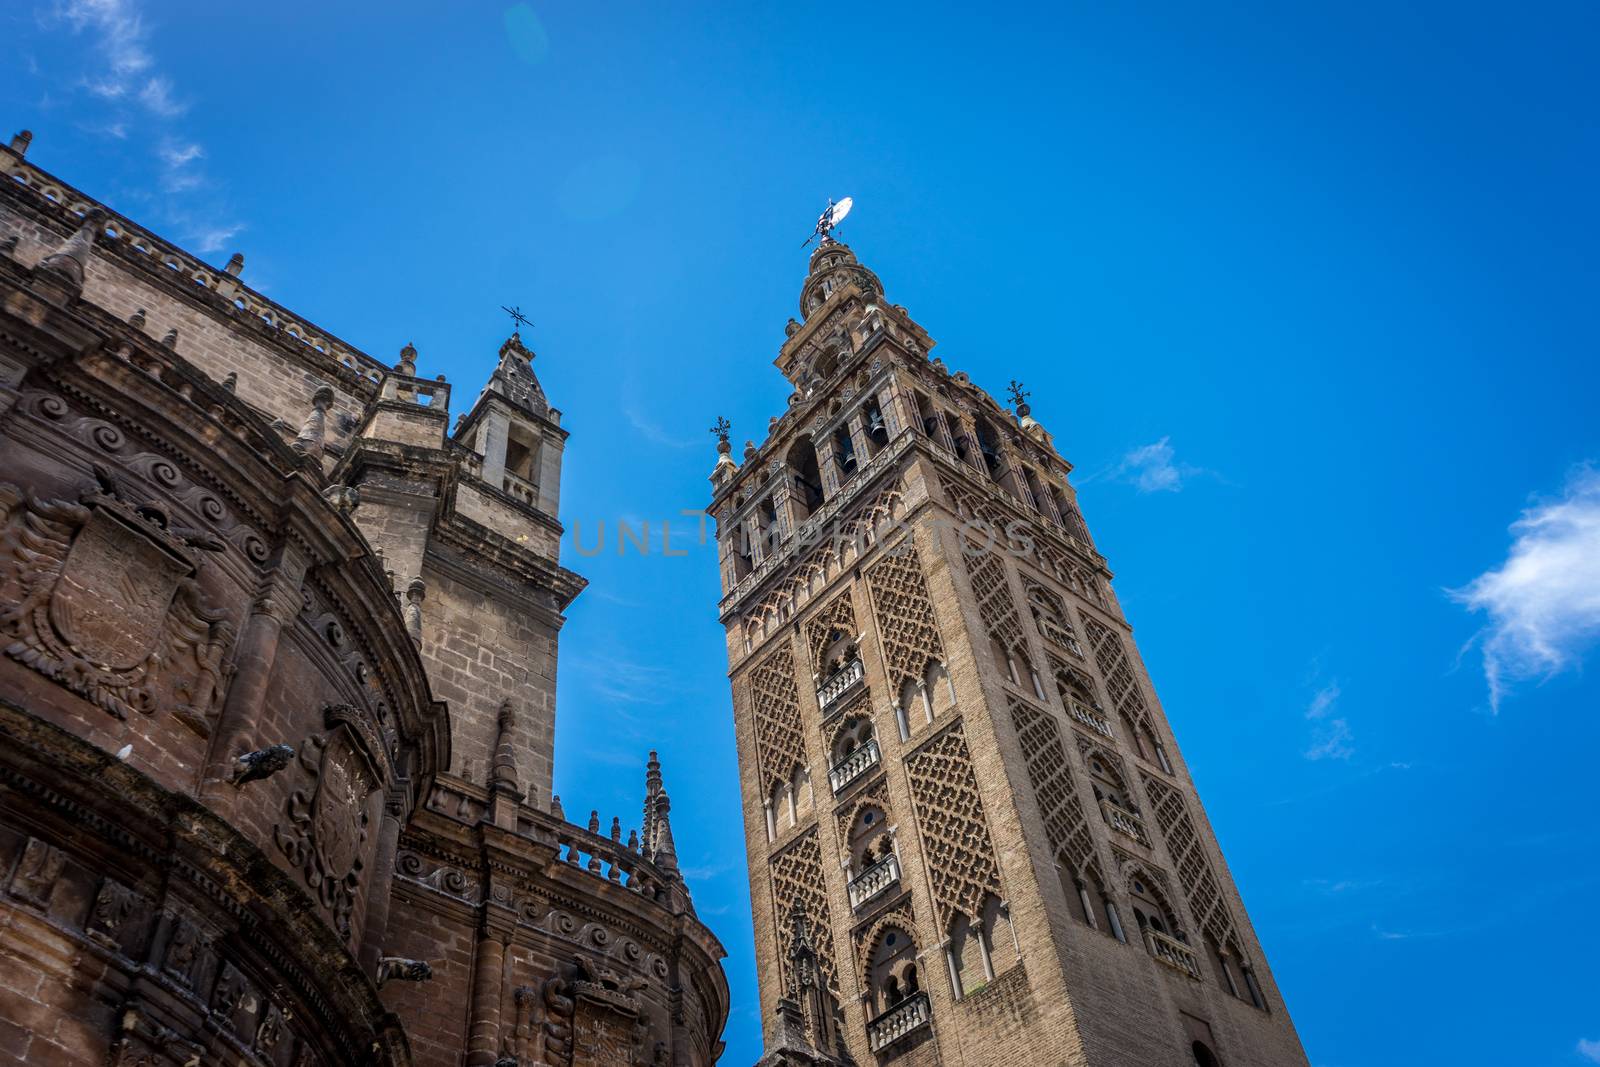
{"type": "Point", "coordinates": [1172, 952]}
{"type": "Point", "coordinates": [909, 1015]}
{"type": "Point", "coordinates": [1089, 719]}
{"type": "Point", "coordinates": [839, 685]}
{"type": "Point", "coordinates": [874, 880]}
{"type": "Point", "coordinates": [854, 766]}
{"type": "Point", "coordinates": [1124, 822]}
{"type": "Point", "coordinates": [520, 488]}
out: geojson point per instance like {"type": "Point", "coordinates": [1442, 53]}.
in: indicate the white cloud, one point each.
{"type": "Point", "coordinates": [214, 240]}
{"type": "Point", "coordinates": [120, 34]}
{"type": "Point", "coordinates": [1543, 602]}
{"type": "Point", "coordinates": [1589, 1050]}
{"type": "Point", "coordinates": [1330, 737]}
{"type": "Point", "coordinates": [1154, 468]}
{"type": "Point", "coordinates": [179, 155]}
{"type": "Point", "coordinates": [157, 96]}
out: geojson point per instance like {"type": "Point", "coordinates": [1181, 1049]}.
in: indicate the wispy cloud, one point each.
{"type": "Point", "coordinates": [1589, 1050]}
{"type": "Point", "coordinates": [655, 434]}
{"type": "Point", "coordinates": [214, 239]}
{"type": "Point", "coordinates": [1152, 468]}
{"type": "Point", "coordinates": [1331, 737]}
{"type": "Point", "coordinates": [1342, 885]}
{"type": "Point", "coordinates": [128, 68]}
{"type": "Point", "coordinates": [1543, 602]}
{"type": "Point", "coordinates": [157, 96]}
{"type": "Point", "coordinates": [144, 103]}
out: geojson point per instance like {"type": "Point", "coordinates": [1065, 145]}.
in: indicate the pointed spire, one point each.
{"type": "Point", "coordinates": [312, 435]}
{"type": "Point", "coordinates": [666, 856]}
{"type": "Point", "coordinates": [69, 261]}
{"type": "Point", "coordinates": [652, 788]}
{"type": "Point", "coordinates": [503, 774]}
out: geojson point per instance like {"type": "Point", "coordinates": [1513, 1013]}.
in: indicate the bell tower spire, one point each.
{"type": "Point", "coordinates": [951, 755]}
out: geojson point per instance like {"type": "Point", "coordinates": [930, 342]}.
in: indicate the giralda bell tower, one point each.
{"type": "Point", "coordinates": [972, 837]}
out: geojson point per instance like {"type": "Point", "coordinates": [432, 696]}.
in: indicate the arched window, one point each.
{"type": "Point", "coordinates": [1150, 907]}
{"type": "Point", "coordinates": [870, 840]}
{"type": "Point", "coordinates": [805, 476]}
{"type": "Point", "coordinates": [1003, 659]}
{"type": "Point", "coordinates": [800, 793]}
{"type": "Point", "coordinates": [844, 452]}
{"type": "Point", "coordinates": [913, 701]}
{"type": "Point", "coordinates": [989, 449]}
{"type": "Point", "coordinates": [937, 688]}
{"type": "Point", "coordinates": [855, 732]}
{"type": "Point", "coordinates": [877, 429]}
{"type": "Point", "coordinates": [1225, 962]}
{"type": "Point", "coordinates": [968, 969]}
{"type": "Point", "coordinates": [1203, 1056]}
{"type": "Point", "coordinates": [892, 969]}
{"type": "Point", "coordinates": [1108, 783]}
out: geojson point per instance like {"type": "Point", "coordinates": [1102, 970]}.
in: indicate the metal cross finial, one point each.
{"type": "Point", "coordinates": [1019, 395]}
{"type": "Point", "coordinates": [721, 428]}
{"type": "Point", "coordinates": [517, 317]}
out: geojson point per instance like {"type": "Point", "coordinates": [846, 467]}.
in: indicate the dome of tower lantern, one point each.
{"type": "Point", "coordinates": [833, 266]}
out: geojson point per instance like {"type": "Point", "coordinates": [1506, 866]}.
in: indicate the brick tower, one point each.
{"type": "Point", "coordinates": [972, 838]}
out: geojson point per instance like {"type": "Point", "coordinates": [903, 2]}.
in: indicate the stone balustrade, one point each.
{"type": "Point", "coordinates": [520, 489]}
{"type": "Point", "coordinates": [874, 880]}
{"type": "Point", "coordinates": [839, 684]}
{"type": "Point", "coordinates": [854, 766]}
{"type": "Point", "coordinates": [909, 1015]}
{"type": "Point", "coordinates": [1172, 952]}
{"type": "Point", "coordinates": [1124, 821]}
{"type": "Point", "coordinates": [1089, 719]}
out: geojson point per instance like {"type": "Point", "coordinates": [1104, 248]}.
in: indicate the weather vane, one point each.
{"type": "Point", "coordinates": [518, 319]}
{"type": "Point", "coordinates": [1019, 395]}
{"type": "Point", "coordinates": [721, 428]}
{"type": "Point", "coordinates": [831, 217]}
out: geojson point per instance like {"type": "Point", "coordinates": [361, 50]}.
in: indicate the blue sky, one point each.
{"type": "Point", "coordinates": [1306, 295]}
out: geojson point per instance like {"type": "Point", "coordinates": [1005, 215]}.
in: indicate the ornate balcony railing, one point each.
{"type": "Point", "coordinates": [1124, 821]}
{"type": "Point", "coordinates": [874, 880]}
{"type": "Point", "coordinates": [854, 766]}
{"type": "Point", "coordinates": [1172, 952]}
{"type": "Point", "coordinates": [1089, 719]}
{"type": "Point", "coordinates": [520, 488]}
{"type": "Point", "coordinates": [841, 682]}
{"type": "Point", "coordinates": [910, 1014]}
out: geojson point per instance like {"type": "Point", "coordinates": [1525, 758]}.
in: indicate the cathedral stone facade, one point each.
{"type": "Point", "coordinates": [972, 838]}
{"type": "Point", "coordinates": [277, 696]}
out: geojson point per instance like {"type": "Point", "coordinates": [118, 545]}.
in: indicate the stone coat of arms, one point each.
{"type": "Point", "coordinates": [328, 820]}
{"type": "Point", "coordinates": [101, 595]}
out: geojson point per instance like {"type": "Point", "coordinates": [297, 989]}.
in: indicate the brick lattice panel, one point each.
{"type": "Point", "coordinates": [1059, 806]}
{"type": "Point", "coordinates": [904, 613]}
{"type": "Point", "coordinates": [955, 836]}
{"type": "Point", "coordinates": [775, 701]}
{"type": "Point", "coordinates": [797, 876]}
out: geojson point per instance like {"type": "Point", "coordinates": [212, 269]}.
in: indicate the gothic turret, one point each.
{"type": "Point", "coordinates": [516, 431]}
